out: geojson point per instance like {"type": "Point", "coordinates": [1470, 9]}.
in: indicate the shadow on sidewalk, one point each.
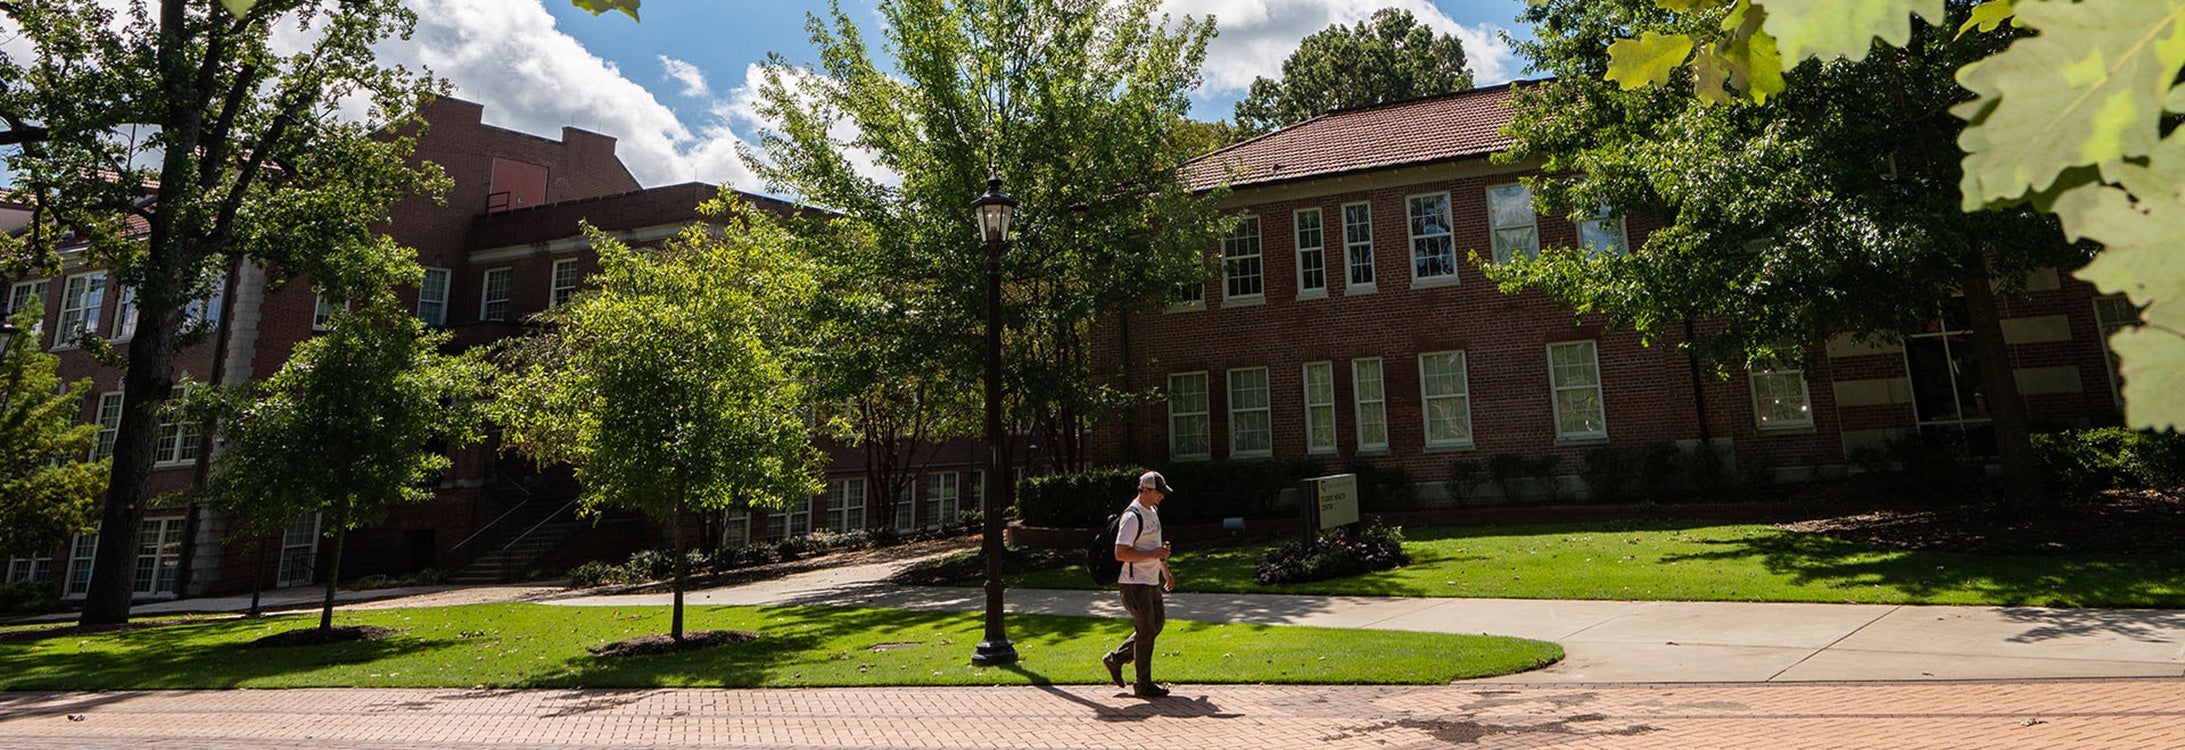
{"type": "Point", "coordinates": [1174, 706]}
{"type": "Point", "coordinates": [2141, 625]}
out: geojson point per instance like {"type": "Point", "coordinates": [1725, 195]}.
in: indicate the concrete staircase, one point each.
{"type": "Point", "coordinates": [549, 526]}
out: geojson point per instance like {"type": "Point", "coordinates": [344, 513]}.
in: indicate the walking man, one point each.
{"type": "Point", "coordinates": [1145, 575]}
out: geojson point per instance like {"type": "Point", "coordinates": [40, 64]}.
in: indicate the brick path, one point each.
{"type": "Point", "coordinates": [2113, 713]}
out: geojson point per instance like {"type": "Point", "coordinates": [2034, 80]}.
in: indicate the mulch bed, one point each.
{"type": "Point", "coordinates": [664, 644]}
{"type": "Point", "coordinates": [318, 637]}
{"type": "Point", "coordinates": [2144, 522]}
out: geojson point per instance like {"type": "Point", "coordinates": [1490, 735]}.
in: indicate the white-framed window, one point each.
{"type": "Point", "coordinates": [204, 312]}
{"type": "Point", "coordinates": [563, 282]}
{"type": "Point", "coordinates": [1510, 218]}
{"type": "Point", "coordinates": [1780, 400]}
{"type": "Point", "coordinates": [1190, 430]}
{"type": "Point", "coordinates": [1312, 254]}
{"type": "Point", "coordinates": [1445, 398]}
{"type": "Point", "coordinates": [1433, 247]}
{"type": "Point", "coordinates": [21, 293]}
{"type": "Point", "coordinates": [1604, 233]}
{"type": "Point", "coordinates": [83, 550]}
{"type": "Point", "coordinates": [1189, 296]}
{"type": "Point", "coordinates": [976, 493]}
{"type": "Point", "coordinates": [108, 418]}
{"type": "Point", "coordinates": [1358, 248]}
{"type": "Point", "coordinates": [432, 297]}
{"type": "Point", "coordinates": [1574, 382]}
{"type": "Point", "coordinates": [81, 298]}
{"type": "Point", "coordinates": [1370, 402]}
{"type": "Point", "coordinates": [793, 520]}
{"type": "Point", "coordinates": [1251, 423]}
{"type": "Point", "coordinates": [942, 498]}
{"type": "Point", "coordinates": [493, 294]}
{"type": "Point", "coordinates": [846, 504]}
{"type": "Point", "coordinates": [736, 527]}
{"type": "Point", "coordinates": [1319, 407]}
{"type": "Point", "coordinates": [159, 556]}
{"type": "Point", "coordinates": [125, 314]}
{"type": "Point", "coordinates": [322, 312]}
{"type": "Point", "coordinates": [38, 568]}
{"type": "Point", "coordinates": [1243, 274]}
{"type": "Point", "coordinates": [2112, 313]}
{"type": "Point", "coordinates": [905, 502]}
{"type": "Point", "coordinates": [178, 436]}
{"type": "Point", "coordinates": [299, 552]}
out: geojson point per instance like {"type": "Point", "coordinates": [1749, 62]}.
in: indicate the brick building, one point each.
{"type": "Point", "coordinates": [1346, 323]}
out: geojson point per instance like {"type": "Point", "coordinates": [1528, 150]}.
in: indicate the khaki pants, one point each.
{"type": "Point", "coordinates": [1143, 601]}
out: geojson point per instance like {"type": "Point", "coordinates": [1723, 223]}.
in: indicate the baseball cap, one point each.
{"type": "Point", "coordinates": [1154, 480]}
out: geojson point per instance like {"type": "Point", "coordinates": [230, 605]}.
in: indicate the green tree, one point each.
{"type": "Point", "coordinates": [1824, 210]}
{"type": "Point", "coordinates": [1388, 57]}
{"type": "Point", "coordinates": [47, 491]}
{"type": "Point", "coordinates": [2076, 117]}
{"type": "Point", "coordinates": [175, 137]}
{"type": "Point", "coordinates": [1073, 103]}
{"type": "Point", "coordinates": [359, 419]}
{"type": "Point", "coordinates": [672, 388]}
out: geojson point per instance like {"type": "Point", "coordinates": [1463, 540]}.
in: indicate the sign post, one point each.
{"type": "Point", "coordinates": [1330, 501]}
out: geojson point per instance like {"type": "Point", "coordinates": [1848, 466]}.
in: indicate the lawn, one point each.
{"type": "Point", "coordinates": [1698, 561]}
{"type": "Point", "coordinates": [533, 646]}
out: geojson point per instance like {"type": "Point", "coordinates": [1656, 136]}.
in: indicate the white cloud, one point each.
{"type": "Point", "coordinates": [1256, 35]}
{"type": "Point", "coordinates": [693, 80]}
{"type": "Point", "coordinates": [531, 77]}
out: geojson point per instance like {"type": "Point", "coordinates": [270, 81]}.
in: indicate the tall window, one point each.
{"type": "Point", "coordinates": [109, 421]}
{"type": "Point", "coordinates": [81, 299]}
{"type": "Point", "coordinates": [1251, 429]}
{"type": "Point", "coordinates": [941, 498]}
{"type": "Point", "coordinates": [204, 312]}
{"type": "Point", "coordinates": [564, 284]}
{"type": "Point", "coordinates": [1243, 276]}
{"type": "Point", "coordinates": [299, 552]}
{"type": "Point", "coordinates": [1319, 407]}
{"type": "Point", "coordinates": [1780, 400]}
{"type": "Point", "coordinates": [125, 314]}
{"type": "Point", "coordinates": [1190, 431]}
{"type": "Point", "coordinates": [1574, 378]}
{"type": "Point", "coordinates": [22, 293]}
{"type": "Point", "coordinates": [846, 504]}
{"type": "Point", "coordinates": [1358, 247]}
{"type": "Point", "coordinates": [2110, 314]}
{"type": "Point", "coordinates": [1433, 249]}
{"type": "Point", "coordinates": [432, 297]}
{"type": "Point", "coordinates": [1510, 217]}
{"type": "Point", "coordinates": [178, 436]}
{"type": "Point", "coordinates": [904, 502]}
{"type": "Point", "coordinates": [493, 295]}
{"type": "Point", "coordinates": [794, 520]}
{"type": "Point", "coordinates": [1603, 234]}
{"type": "Point", "coordinates": [159, 555]}
{"type": "Point", "coordinates": [82, 550]}
{"type": "Point", "coordinates": [1371, 404]}
{"type": "Point", "coordinates": [1312, 257]}
{"type": "Point", "coordinates": [1445, 395]}
{"type": "Point", "coordinates": [39, 568]}
{"type": "Point", "coordinates": [322, 313]}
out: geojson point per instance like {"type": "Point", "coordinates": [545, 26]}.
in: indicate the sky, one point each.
{"type": "Point", "coordinates": [678, 88]}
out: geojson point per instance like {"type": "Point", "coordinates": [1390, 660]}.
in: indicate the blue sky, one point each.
{"type": "Point", "coordinates": [677, 88]}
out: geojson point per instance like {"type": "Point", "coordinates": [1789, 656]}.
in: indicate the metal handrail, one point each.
{"type": "Point", "coordinates": [528, 497]}
{"type": "Point", "coordinates": [542, 522]}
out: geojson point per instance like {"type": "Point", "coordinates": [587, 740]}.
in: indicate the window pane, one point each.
{"type": "Point", "coordinates": [1241, 268]}
{"type": "Point", "coordinates": [1358, 242]}
{"type": "Point", "coordinates": [1250, 425]}
{"type": "Point", "coordinates": [432, 297]}
{"type": "Point", "coordinates": [1433, 250]}
{"type": "Point", "coordinates": [1371, 407]}
{"type": "Point", "coordinates": [1311, 260]}
{"type": "Point", "coordinates": [1780, 398]}
{"type": "Point", "coordinates": [1189, 425]}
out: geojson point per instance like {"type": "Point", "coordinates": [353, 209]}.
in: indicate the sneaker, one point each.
{"type": "Point", "coordinates": [1150, 691]}
{"type": "Point", "coordinates": [1115, 669]}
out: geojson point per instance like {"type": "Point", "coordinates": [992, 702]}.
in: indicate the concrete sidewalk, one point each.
{"type": "Point", "coordinates": [1608, 641]}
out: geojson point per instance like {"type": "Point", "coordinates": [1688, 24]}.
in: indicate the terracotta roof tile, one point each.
{"type": "Point", "coordinates": [1412, 131]}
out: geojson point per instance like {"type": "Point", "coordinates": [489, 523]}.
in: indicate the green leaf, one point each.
{"type": "Point", "coordinates": [238, 7]}
{"type": "Point", "coordinates": [1986, 16]}
{"type": "Point", "coordinates": [1647, 60]}
{"type": "Point", "coordinates": [2087, 90]}
{"type": "Point", "coordinates": [628, 7]}
{"type": "Point", "coordinates": [1843, 28]}
{"type": "Point", "coordinates": [1755, 66]}
{"type": "Point", "coordinates": [1689, 6]}
{"type": "Point", "coordinates": [2143, 233]}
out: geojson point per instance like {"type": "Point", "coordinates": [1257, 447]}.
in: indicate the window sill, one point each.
{"type": "Point", "coordinates": [1251, 455]}
{"type": "Point", "coordinates": [1379, 450]}
{"type": "Point", "coordinates": [1447, 447]}
{"type": "Point", "coordinates": [1244, 301]}
{"type": "Point", "coordinates": [1799, 429]}
{"type": "Point", "coordinates": [1320, 451]}
{"type": "Point", "coordinates": [1561, 441]}
{"type": "Point", "coordinates": [1356, 289]}
{"type": "Point", "coordinates": [1191, 459]}
{"type": "Point", "coordinates": [1184, 307]}
{"type": "Point", "coordinates": [1312, 294]}
{"type": "Point", "coordinates": [1434, 281]}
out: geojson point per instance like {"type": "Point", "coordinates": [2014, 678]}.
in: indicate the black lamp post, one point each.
{"type": "Point", "coordinates": [994, 210]}
{"type": "Point", "coordinates": [7, 336]}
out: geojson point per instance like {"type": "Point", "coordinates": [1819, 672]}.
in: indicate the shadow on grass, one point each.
{"type": "Point", "coordinates": [212, 655]}
{"type": "Point", "coordinates": [1932, 577]}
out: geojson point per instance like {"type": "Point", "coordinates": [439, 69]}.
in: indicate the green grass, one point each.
{"type": "Point", "coordinates": [531, 645]}
{"type": "Point", "coordinates": [1697, 561]}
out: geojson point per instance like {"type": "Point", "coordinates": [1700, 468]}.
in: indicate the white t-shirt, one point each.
{"type": "Point", "coordinates": [1148, 572]}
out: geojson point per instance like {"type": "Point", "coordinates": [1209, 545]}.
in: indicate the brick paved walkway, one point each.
{"type": "Point", "coordinates": [2116, 713]}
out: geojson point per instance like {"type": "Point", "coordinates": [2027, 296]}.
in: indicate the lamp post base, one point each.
{"type": "Point", "coordinates": [994, 653]}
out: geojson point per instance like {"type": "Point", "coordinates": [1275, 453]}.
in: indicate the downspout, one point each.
{"type": "Point", "coordinates": [1699, 394]}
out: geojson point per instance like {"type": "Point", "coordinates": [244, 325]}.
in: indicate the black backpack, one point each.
{"type": "Point", "coordinates": [1100, 562]}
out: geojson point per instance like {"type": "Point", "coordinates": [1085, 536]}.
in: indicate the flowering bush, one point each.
{"type": "Point", "coordinates": [1335, 553]}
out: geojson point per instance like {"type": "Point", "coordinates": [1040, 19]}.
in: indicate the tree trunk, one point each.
{"type": "Point", "coordinates": [2023, 488]}
{"type": "Point", "coordinates": [682, 564]}
{"type": "Point", "coordinates": [146, 386]}
{"type": "Point", "coordinates": [333, 576]}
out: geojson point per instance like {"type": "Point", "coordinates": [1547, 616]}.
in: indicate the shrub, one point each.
{"type": "Point", "coordinates": [651, 564]}
{"type": "Point", "coordinates": [1209, 491]}
{"type": "Point", "coordinates": [1383, 489]}
{"type": "Point", "coordinates": [1609, 472]}
{"type": "Point", "coordinates": [2084, 463]}
{"type": "Point", "coordinates": [1335, 553]}
{"type": "Point", "coordinates": [1700, 470]}
{"type": "Point", "coordinates": [596, 573]}
{"type": "Point", "coordinates": [1077, 499]}
{"type": "Point", "coordinates": [30, 597]}
{"type": "Point", "coordinates": [1465, 476]}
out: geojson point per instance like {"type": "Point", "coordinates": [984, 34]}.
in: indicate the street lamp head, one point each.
{"type": "Point", "coordinates": [994, 211]}
{"type": "Point", "coordinates": [7, 335]}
